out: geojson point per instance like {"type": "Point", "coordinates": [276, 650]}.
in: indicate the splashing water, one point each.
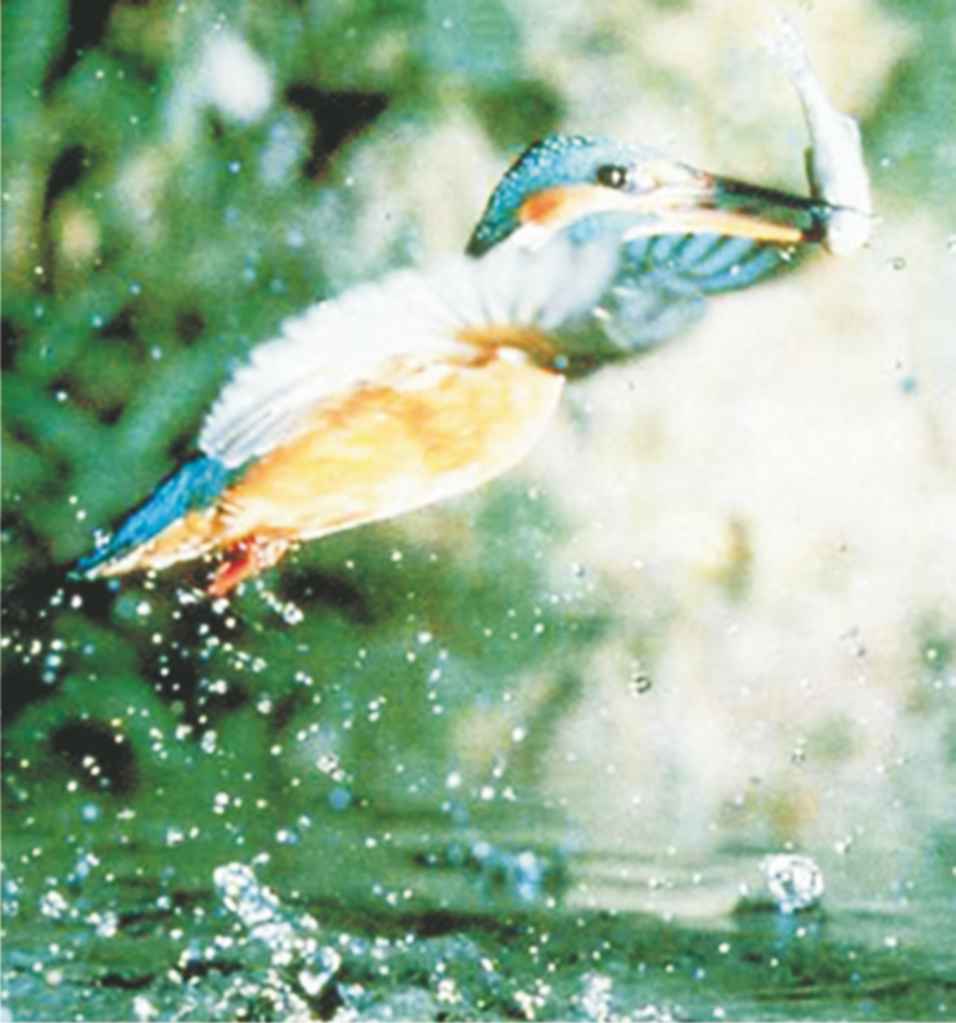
{"type": "Point", "coordinates": [596, 997]}
{"type": "Point", "coordinates": [298, 969]}
{"type": "Point", "coordinates": [795, 882]}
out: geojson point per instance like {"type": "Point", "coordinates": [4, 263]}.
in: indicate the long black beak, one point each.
{"type": "Point", "coordinates": [682, 200]}
{"type": "Point", "coordinates": [701, 203]}
{"type": "Point", "coordinates": [771, 208]}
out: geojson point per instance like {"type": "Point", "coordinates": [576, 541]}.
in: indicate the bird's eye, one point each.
{"type": "Point", "coordinates": [613, 175]}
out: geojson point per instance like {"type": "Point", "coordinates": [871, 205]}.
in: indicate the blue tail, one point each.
{"type": "Point", "coordinates": [194, 485]}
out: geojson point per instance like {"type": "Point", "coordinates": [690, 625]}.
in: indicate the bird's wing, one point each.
{"type": "Point", "coordinates": [510, 297]}
{"type": "Point", "coordinates": [326, 351]}
{"type": "Point", "coordinates": [659, 288]}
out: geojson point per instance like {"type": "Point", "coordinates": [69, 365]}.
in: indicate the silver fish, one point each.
{"type": "Point", "coordinates": [835, 166]}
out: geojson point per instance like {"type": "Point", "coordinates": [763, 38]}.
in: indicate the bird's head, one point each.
{"type": "Point", "coordinates": [572, 181]}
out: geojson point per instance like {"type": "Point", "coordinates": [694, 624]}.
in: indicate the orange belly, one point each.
{"type": "Point", "coordinates": [383, 451]}
{"type": "Point", "coordinates": [378, 452]}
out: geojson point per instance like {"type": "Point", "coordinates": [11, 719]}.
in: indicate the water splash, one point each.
{"type": "Point", "coordinates": [292, 968]}
{"type": "Point", "coordinates": [795, 882]}
{"type": "Point", "coordinates": [596, 997]}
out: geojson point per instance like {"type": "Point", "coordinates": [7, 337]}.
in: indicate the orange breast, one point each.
{"type": "Point", "coordinates": [391, 447]}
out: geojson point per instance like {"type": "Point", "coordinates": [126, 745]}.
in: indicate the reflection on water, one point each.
{"type": "Point", "coordinates": [422, 917]}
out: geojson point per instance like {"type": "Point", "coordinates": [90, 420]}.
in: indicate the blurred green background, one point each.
{"type": "Point", "coordinates": [712, 617]}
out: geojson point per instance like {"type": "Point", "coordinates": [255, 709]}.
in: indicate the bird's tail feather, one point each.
{"type": "Point", "coordinates": [175, 522]}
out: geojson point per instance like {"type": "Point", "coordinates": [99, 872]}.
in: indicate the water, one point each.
{"type": "Point", "coordinates": [419, 917]}
{"type": "Point", "coordinates": [795, 882]}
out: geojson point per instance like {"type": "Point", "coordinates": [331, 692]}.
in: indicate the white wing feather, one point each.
{"type": "Point", "coordinates": [337, 345]}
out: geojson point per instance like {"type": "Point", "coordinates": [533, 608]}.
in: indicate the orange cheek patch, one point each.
{"type": "Point", "coordinates": [559, 206]}
{"type": "Point", "coordinates": [543, 207]}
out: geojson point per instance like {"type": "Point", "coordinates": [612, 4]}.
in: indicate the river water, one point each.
{"type": "Point", "coordinates": [419, 915]}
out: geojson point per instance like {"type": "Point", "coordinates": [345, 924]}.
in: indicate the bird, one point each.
{"type": "Point", "coordinates": [428, 383]}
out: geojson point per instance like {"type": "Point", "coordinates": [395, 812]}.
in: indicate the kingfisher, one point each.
{"type": "Point", "coordinates": [430, 382]}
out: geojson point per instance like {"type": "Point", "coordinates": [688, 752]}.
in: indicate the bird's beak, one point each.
{"type": "Point", "coordinates": [675, 199]}
{"type": "Point", "coordinates": [711, 204]}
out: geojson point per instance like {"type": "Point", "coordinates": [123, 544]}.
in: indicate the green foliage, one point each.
{"type": "Point", "coordinates": [151, 238]}
{"type": "Point", "coordinates": [916, 157]}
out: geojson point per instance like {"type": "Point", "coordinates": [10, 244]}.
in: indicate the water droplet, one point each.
{"type": "Point", "coordinates": [53, 905]}
{"type": "Point", "coordinates": [292, 614]}
{"type": "Point", "coordinates": [340, 798]}
{"type": "Point", "coordinates": [795, 882]}
{"type": "Point", "coordinates": [639, 682]}
{"type": "Point", "coordinates": [143, 1009]}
